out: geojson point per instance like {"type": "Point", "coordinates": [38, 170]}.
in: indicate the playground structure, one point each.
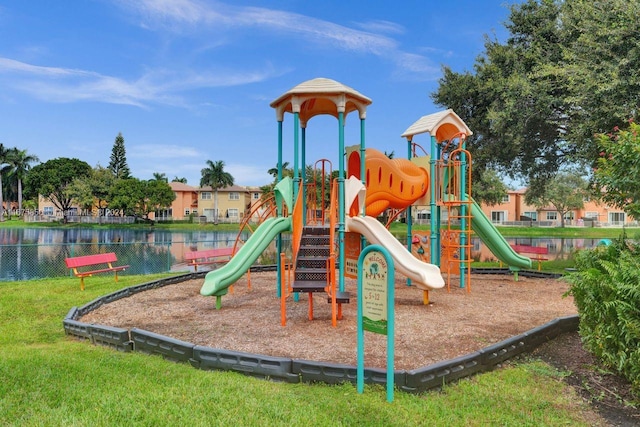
{"type": "Point", "coordinates": [328, 234]}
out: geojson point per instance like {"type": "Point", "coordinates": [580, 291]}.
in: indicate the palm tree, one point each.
{"type": "Point", "coordinates": [215, 176]}
{"type": "Point", "coordinates": [285, 171]}
{"type": "Point", "coordinates": [20, 163]}
{"type": "Point", "coordinates": [157, 176]}
{"type": "Point", "coordinates": [4, 158]}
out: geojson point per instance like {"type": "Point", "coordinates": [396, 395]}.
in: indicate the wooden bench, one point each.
{"type": "Point", "coordinates": [104, 260]}
{"type": "Point", "coordinates": [209, 256]}
{"type": "Point", "coordinates": [538, 253]}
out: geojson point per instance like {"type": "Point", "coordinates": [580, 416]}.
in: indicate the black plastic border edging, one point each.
{"type": "Point", "coordinates": [294, 371]}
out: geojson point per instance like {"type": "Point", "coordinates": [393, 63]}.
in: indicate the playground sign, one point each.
{"type": "Point", "coordinates": [375, 306]}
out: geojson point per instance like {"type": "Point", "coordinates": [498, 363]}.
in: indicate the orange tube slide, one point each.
{"type": "Point", "coordinates": [391, 183]}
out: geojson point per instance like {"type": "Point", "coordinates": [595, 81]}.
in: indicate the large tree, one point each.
{"type": "Point", "coordinates": [92, 190]}
{"type": "Point", "coordinates": [52, 178]}
{"type": "Point", "coordinates": [216, 177]}
{"type": "Point", "coordinates": [565, 192]}
{"type": "Point", "coordinates": [567, 70]}
{"type": "Point", "coordinates": [139, 198]}
{"type": "Point", "coordinates": [118, 161]}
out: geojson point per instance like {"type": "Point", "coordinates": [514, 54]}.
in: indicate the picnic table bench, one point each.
{"type": "Point", "coordinates": [104, 260]}
{"type": "Point", "coordinates": [538, 252]}
{"type": "Point", "coordinates": [208, 256]}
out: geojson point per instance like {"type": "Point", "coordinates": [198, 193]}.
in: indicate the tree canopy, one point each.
{"type": "Point", "coordinates": [52, 178]}
{"type": "Point", "coordinates": [139, 198]}
{"type": "Point", "coordinates": [565, 192]}
{"type": "Point", "coordinates": [92, 190]}
{"type": "Point", "coordinates": [567, 70]}
{"type": "Point", "coordinates": [617, 172]}
{"type": "Point", "coordinates": [118, 161]}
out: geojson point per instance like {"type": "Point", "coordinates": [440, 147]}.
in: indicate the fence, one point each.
{"type": "Point", "coordinates": [38, 261]}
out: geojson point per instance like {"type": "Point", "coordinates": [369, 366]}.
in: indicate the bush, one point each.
{"type": "Point", "coordinates": [606, 290]}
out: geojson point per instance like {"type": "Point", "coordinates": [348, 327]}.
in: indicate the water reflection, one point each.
{"type": "Point", "coordinates": [28, 253]}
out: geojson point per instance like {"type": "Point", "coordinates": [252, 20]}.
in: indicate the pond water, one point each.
{"type": "Point", "coordinates": [28, 253]}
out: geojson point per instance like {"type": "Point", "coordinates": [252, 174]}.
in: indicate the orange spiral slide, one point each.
{"type": "Point", "coordinates": [391, 183]}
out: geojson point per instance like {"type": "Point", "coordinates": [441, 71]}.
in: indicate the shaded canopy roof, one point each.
{"type": "Point", "coordinates": [320, 96]}
{"type": "Point", "coordinates": [444, 125]}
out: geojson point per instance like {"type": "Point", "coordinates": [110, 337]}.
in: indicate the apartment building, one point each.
{"type": "Point", "coordinates": [514, 210]}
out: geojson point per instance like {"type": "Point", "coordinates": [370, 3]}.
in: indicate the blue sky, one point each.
{"type": "Point", "coordinates": [187, 81]}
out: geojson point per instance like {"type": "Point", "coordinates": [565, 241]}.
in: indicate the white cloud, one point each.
{"type": "Point", "coordinates": [217, 15]}
{"type": "Point", "coordinates": [162, 151]}
{"type": "Point", "coordinates": [55, 84]}
{"type": "Point", "coordinates": [380, 26]}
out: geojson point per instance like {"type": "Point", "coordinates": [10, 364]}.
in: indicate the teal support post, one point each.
{"type": "Point", "coordinates": [296, 156]}
{"type": "Point", "coordinates": [296, 167]}
{"type": "Point", "coordinates": [304, 175]}
{"type": "Point", "coordinates": [434, 226]}
{"type": "Point", "coordinates": [363, 177]}
{"type": "Point", "coordinates": [363, 153]}
{"type": "Point", "coordinates": [463, 213]}
{"type": "Point", "coordinates": [438, 215]}
{"type": "Point", "coordinates": [409, 220]}
{"type": "Point", "coordinates": [341, 209]}
{"type": "Point", "coordinates": [279, 212]}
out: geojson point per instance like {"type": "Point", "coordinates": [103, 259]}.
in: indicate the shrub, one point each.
{"type": "Point", "coordinates": [606, 291]}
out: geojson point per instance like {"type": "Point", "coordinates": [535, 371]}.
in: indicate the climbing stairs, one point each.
{"type": "Point", "coordinates": [311, 263]}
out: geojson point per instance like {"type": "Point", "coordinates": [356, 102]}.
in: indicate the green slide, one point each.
{"type": "Point", "coordinates": [217, 281]}
{"type": "Point", "coordinates": [491, 237]}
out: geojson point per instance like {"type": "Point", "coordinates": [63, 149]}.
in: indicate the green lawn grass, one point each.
{"type": "Point", "coordinates": [51, 379]}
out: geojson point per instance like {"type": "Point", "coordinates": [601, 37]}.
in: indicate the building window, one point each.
{"type": "Point", "coordinates": [498, 216]}
{"type": "Point", "coordinates": [209, 213]}
{"type": "Point", "coordinates": [205, 195]}
{"type": "Point", "coordinates": [552, 216]}
{"type": "Point", "coordinates": [256, 196]}
{"type": "Point", "coordinates": [234, 195]}
{"type": "Point", "coordinates": [164, 213]}
{"type": "Point", "coordinates": [48, 210]}
{"type": "Point", "coordinates": [505, 198]}
{"type": "Point", "coordinates": [569, 216]}
{"type": "Point", "coordinates": [616, 218]}
{"type": "Point", "coordinates": [194, 212]}
{"type": "Point", "coordinates": [187, 212]}
{"type": "Point", "coordinates": [424, 215]}
{"type": "Point", "coordinates": [232, 213]}
{"type": "Point", "coordinates": [533, 216]}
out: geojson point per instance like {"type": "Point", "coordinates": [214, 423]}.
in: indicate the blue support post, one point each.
{"type": "Point", "coordinates": [409, 211]}
{"type": "Point", "coordinates": [463, 214]}
{"type": "Point", "coordinates": [296, 146]}
{"type": "Point", "coordinates": [341, 208]}
{"type": "Point", "coordinates": [304, 175]}
{"type": "Point", "coordinates": [279, 213]}
{"type": "Point", "coordinates": [434, 226]}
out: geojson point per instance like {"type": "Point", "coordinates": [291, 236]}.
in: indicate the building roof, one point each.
{"type": "Point", "coordinates": [234, 188]}
{"type": "Point", "coordinates": [179, 186]}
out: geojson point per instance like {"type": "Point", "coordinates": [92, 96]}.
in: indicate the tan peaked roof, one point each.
{"type": "Point", "coordinates": [443, 125]}
{"type": "Point", "coordinates": [231, 188]}
{"type": "Point", "coordinates": [320, 96]}
{"type": "Point", "coordinates": [179, 186]}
